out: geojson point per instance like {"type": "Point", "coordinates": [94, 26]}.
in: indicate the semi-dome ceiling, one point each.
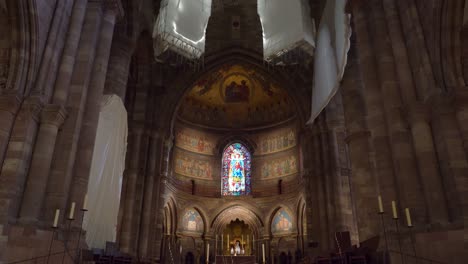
{"type": "Point", "coordinates": [236, 96]}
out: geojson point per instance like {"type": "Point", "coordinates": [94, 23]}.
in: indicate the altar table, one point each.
{"type": "Point", "coordinates": [235, 259]}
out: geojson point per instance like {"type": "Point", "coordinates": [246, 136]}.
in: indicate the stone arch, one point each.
{"type": "Point", "coordinates": [237, 211]}
{"type": "Point", "coordinates": [271, 215]}
{"type": "Point", "coordinates": [202, 214]}
{"type": "Point", "coordinates": [186, 79]}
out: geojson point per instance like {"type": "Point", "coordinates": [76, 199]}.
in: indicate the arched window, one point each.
{"type": "Point", "coordinates": [235, 179]}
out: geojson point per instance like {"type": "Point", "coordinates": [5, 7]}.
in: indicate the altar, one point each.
{"type": "Point", "coordinates": [235, 259]}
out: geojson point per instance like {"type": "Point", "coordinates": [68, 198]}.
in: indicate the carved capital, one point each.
{"type": "Point", "coordinates": [357, 135]}
{"type": "Point", "coordinates": [53, 114]}
{"type": "Point", "coordinates": [10, 103]}
{"type": "Point", "coordinates": [31, 108]}
{"type": "Point", "coordinates": [418, 112]}
{"type": "Point", "coordinates": [115, 6]}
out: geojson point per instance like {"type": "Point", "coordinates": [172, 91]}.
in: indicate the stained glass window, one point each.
{"type": "Point", "coordinates": [235, 179]}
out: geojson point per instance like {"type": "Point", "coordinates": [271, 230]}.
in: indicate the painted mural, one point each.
{"type": "Point", "coordinates": [188, 165]}
{"type": "Point", "coordinates": [273, 168]}
{"type": "Point", "coordinates": [277, 141]}
{"type": "Point", "coordinates": [194, 141]}
{"type": "Point", "coordinates": [192, 221]}
{"type": "Point", "coordinates": [282, 222]}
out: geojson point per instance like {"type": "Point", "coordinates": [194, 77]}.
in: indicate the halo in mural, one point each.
{"type": "Point", "coordinates": [235, 179]}
{"type": "Point", "coordinates": [192, 221]}
{"type": "Point", "coordinates": [282, 222]}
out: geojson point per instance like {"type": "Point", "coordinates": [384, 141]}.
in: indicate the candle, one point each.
{"type": "Point", "coordinates": [380, 204]}
{"type": "Point", "coordinates": [242, 240]}
{"type": "Point", "coordinates": [57, 213]}
{"type": "Point", "coordinates": [263, 253]}
{"type": "Point", "coordinates": [72, 211]}
{"type": "Point", "coordinates": [227, 241]}
{"type": "Point", "coordinates": [395, 214]}
{"type": "Point", "coordinates": [222, 238]}
{"type": "Point", "coordinates": [207, 253]}
{"type": "Point", "coordinates": [85, 203]}
{"type": "Point", "coordinates": [408, 217]}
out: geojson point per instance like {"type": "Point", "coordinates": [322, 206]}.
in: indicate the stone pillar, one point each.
{"type": "Point", "coordinates": [375, 116]}
{"type": "Point", "coordinates": [404, 162]}
{"type": "Point", "coordinates": [75, 98]}
{"type": "Point", "coordinates": [9, 106]}
{"type": "Point", "coordinates": [52, 117]}
{"type": "Point", "coordinates": [92, 109]}
{"type": "Point", "coordinates": [16, 164]}
{"type": "Point", "coordinates": [363, 182]}
{"type": "Point", "coordinates": [148, 195]}
{"type": "Point", "coordinates": [119, 66]}
{"type": "Point", "coordinates": [131, 174]}
{"type": "Point", "coordinates": [69, 57]}
{"type": "Point", "coordinates": [428, 163]}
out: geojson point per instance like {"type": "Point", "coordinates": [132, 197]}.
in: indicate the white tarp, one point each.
{"type": "Point", "coordinates": [181, 27]}
{"type": "Point", "coordinates": [286, 26]}
{"type": "Point", "coordinates": [333, 41]}
{"type": "Point", "coordinates": [106, 174]}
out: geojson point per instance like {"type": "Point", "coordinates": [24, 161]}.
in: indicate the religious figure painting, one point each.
{"type": "Point", "coordinates": [237, 92]}
{"type": "Point", "coordinates": [279, 167]}
{"type": "Point", "coordinates": [189, 166]}
{"type": "Point", "coordinates": [276, 142]}
{"type": "Point", "coordinates": [189, 140]}
{"type": "Point", "coordinates": [236, 170]}
{"type": "Point", "coordinates": [282, 222]}
{"type": "Point", "coordinates": [192, 221]}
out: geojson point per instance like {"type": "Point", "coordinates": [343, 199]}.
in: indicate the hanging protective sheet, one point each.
{"type": "Point", "coordinates": [286, 25]}
{"type": "Point", "coordinates": [107, 168]}
{"type": "Point", "coordinates": [181, 27]}
{"type": "Point", "coordinates": [333, 41]}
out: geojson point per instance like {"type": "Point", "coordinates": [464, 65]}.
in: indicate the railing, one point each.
{"type": "Point", "coordinates": [35, 259]}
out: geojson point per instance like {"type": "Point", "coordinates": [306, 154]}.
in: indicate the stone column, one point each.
{"type": "Point", "coordinates": [69, 57]}
{"type": "Point", "coordinates": [428, 163]}
{"type": "Point", "coordinates": [363, 182]}
{"type": "Point", "coordinates": [375, 116]}
{"type": "Point", "coordinates": [119, 66]}
{"type": "Point", "coordinates": [148, 195]}
{"type": "Point", "coordinates": [75, 97]}
{"type": "Point", "coordinates": [52, 117]}
{"type": "Point", "coordinates": [404, 162]}
{"type": "Point", "coordinates": [92, 109]}
{"type": "Point", "coordinates": [16, 164]}
{"type": "Point", "coordinates": [9, 106]}
{"type": "Point", "coordinates": [131, 174]}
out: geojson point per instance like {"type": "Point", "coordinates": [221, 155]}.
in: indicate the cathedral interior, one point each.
{"type": "Point", "coordinates": [234, 131]}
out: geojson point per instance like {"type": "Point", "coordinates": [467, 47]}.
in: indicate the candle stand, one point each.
{"type": "Point", "coordinates": [51, 242]}
{"type": "Point", "coordinates": [385, 235]}
{"type": "Point", "coordinates": [67, 236]}
{"type": "Point", "coordinates": [78, 247]}
{"type": "Point", "coordinates": [398, 239]}
{"type": "Point", "coordinates": [412, 243]}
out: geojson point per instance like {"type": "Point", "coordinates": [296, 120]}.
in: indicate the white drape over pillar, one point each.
{"type": "Point", "coordinates": [106, 174]}
{"type": "Point", "coordinates": [333, 41]}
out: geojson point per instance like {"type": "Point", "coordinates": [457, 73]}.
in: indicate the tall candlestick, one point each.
{"type": "Point", "coordinates": [72, 211]}
{"type": "Point", "coordinates": [394, 210]}
{"type": "Point", "coordinates": [227, 242]}
{"type": "Point", "coordinates": [85, 203]}
{"type": "Point", "coordinates": [222, 240]}
{"type": "Point", "coordinates": [263, 253]}
{"type": "Point", "coordinates": [408, 217]}
{"type": "Point", "coordinates": [57, 213]}
{"type": "Point", "coordinates": [242, 240]}
{"type": "Point", "coordinates": [380, 204]}
{"type": "Point", "coordinates": [207, 253]}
